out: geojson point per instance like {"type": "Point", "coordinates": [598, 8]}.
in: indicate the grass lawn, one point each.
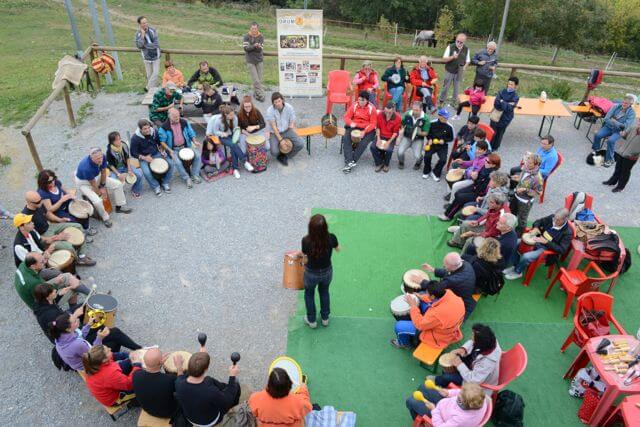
{"type": "Point", "coordinates": [36, 34]}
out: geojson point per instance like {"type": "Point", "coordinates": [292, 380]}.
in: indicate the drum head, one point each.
{"type": "Point", "coordinates": [446, 360]}
{"type": "Point", "coordinates": [159, 165]}
{"type": "Point", "coordinates": [382, 144]}
{"type": "Point", "coordinates": [455, 175]}
{"type": "Point", "coordinates": [285, 146]}
{"type": "Point", "coordinates": [528, 238]}
{"type": "Point", "coordinates": [255, 139]}
{"type": "Point", "coordinates": [186, 154]}
{"type": "Point", "coordinates": [60, 258]}
{"type": "Point", "coordinates": [468, 210]}
{"type": "Point", "coordinates": [76, 236]}
{"type": "Point", "coordinates": [408, 283]}
{"type": "Point", "coordinates": [171, 367]}
{"type": "Point", "coordinates": [80, 208]}
{"type": "Point", "coordinates": [131, 178]}
{"type": "Point", "coordinates": [399, 306]}
{"type": "Point", "coordinates": [356, 135]}
{"type": "Point", "coordinates": [102, 302]}
{"type": "Point", "coordinates": [292, 368]}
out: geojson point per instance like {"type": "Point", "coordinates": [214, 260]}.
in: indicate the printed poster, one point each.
{"type": "Point", "coordinates": [300, 51]}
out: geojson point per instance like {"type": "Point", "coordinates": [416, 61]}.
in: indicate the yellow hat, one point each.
{"type": "Point", "coordinates": [21, 219]}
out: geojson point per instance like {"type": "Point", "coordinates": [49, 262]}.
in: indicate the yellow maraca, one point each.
{"type": "Point", "coordinates": [417, 395]}
{"type": "Point", "coordinates": [429, 383]}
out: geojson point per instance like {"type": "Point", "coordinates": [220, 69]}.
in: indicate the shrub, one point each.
{"type": "Point", "coordinates": [555, 89]}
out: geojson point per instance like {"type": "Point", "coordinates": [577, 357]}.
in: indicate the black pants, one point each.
{"type": "Point", "coordinates": [497, 138]}
{"type": "Point", "coordinates": [115, 340]}
{"type": "Point", "coordinates": [622, 171]}
{"type": "Point", "coordinates": [474, 108]}
{"type": "Point", "coordinates": [351, 154]}
{"type": "Point", "coordinates": [461, 198]}
{"type": "Point", "coordinates": [441, 150]}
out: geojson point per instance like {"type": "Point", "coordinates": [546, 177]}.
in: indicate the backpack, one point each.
{"type": "Point", "coordinates": [603, 244]}
{"type": "Point", "coordinates": [595, 78]}
{"type": "Point", "coordinates": [509, 410]}
{"type": "Point", "coordinates": [601, 105]}
{"type": "Point", "coordinates": [494, 283]}
{"type": "Point", "coordinates": [57, 361]}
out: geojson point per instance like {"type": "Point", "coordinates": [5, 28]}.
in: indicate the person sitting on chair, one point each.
{"type": "Point", "coordinates": [277, 405]}
{"type": "Point", "coordinates": [366, 80]}
{"type": "Point", "coordinates": [555, 234]}
{"type": "Point", "coordinates": [281, 121]}
{"type": "Point", "coordinates": [205, 74]}
{"type": "Point", "coordinates": [109, 381]}
{"type": "Point", "coordinates": [164, 99]}
{"type": "Point", "coordinates": [465, 139]}
{"type": "Point", "coordinates": [56, 199]}
{"type": "Point", "coordinates": [620, 119]}
{"type": "Point", "coordinates": [461, 407]}
{"type": "Point", "coordinates": [472, 169]}
{"type": "Point", "coordinates": [362, 117]}
{"type": "Point", "coordinates": [527, 190]}
{"type": "Point", "coordinates": [251, 122]}
{"type": "Point", "coordinates": [386, 136]}
{"type": "Point", "coordinates": [155, 389]}
{"type": "Point", "coordinates": [508, 240]}
{"type": "Point", "coordinates": [487, 265]}
{"type": "Point", "coordinates": [144, 147]}
{"type": "Point", "coordinates": [422, 78]}
{"type": "Point", "coordinates": [175, 134]}
{"type": "Point", "coordinates": [119, 161]}
{"type": "Point", "coordinates": [441, 133]}
{"type": "Point", "coordinates": [224, 127]}
{"type": "Point", "coordinates": [172, 74]}
{"type": "Point", "coordinates": [548, 160]}
{"type": "Point", "coordinates": [93, 182]}
{"type": "Point", "coordinates": [203, 399]}
{"type": "Point", "coordinates": [414, 122]}
{"type": "Point", "coordinates": [396, 77]}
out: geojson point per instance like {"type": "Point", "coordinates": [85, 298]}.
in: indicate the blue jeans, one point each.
{"type": "Point", "coordinates": [137, 187]}
{"type": "Point", "coordinates": [405, 331]}
{"type": "Point", "coordinates": [236, 152]}
{"type": "Point", "coordinates": [321, 279]}
{"type": "Point", "coordinates": [417, 407]}
{"type": "Point", "coordinates": [196, 164]}
{"type": "Point", "coordinates": [604, 132]}
{"type": "Point", "coordinates": [396, 96]}
{"type": "Point", "coordinates": [526, 259]}
{"type": "Point", "coordinates": [153, 182]}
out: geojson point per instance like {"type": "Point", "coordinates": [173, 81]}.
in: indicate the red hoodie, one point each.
{"type": "Point", "coordinates": [106, 384]}
{"type": "Point", "coordinates": [362, 117]}
{"type": "Point", "coordinates": [476, 96]}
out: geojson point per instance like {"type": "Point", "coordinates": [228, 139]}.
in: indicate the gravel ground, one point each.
{"type": "Point", "coordinates": [209, 259]}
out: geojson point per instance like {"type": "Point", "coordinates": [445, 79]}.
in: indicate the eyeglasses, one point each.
{"type": "Point", "coordinates": [51, 180]}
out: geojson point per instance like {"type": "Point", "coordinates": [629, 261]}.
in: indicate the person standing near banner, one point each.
{"type": "Point", "coordinates": [253, 43]}
{"type": "Point", "coordinates": [149, 45]}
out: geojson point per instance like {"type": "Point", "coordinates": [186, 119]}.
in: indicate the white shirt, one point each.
{"type": "Point", "coordinates": [21, 251]}
{"type": "Point", "coordinates": [446, 54]}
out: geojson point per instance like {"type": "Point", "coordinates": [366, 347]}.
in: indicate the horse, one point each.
{"type": "Point", "coordinates": [425, 36]}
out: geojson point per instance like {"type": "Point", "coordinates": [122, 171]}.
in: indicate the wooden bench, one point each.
{"type": "Point", "coordinates": [428, 356]}
{"type": "Point", "coordinates": [310, 131]}
{"type": "Point", "coordinates": [146, 420]}
{"type": "Point", "coordinates": [114, 412]}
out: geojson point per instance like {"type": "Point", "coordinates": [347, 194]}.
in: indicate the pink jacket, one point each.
{"type": "Point", "coordinates": [476, 97]}
{"type": "Point", "coordinates": [448, 413]}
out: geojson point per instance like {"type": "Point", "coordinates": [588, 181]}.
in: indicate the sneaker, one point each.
{"type": "Point", "coordinates": [325, 323]}
{"type": "Point", "coordinates": [447, 197]}
{"type": "Point", "coordinates": [443, 217]}
{"type": "Point", "coordinates": [385, 169]}
{"type": "Point", "coordinates": [248, 166]}
{"type": "Point", "coordinates": [435, 178]}
{"type": "Point", "coordinates": [166, 188]}
{"type": "Point", "coordinates": [453, 244]}
{"type": "Point", "coordinates": [396, 344]}
{"type": "Point", "coordinates": [91, 231]}
{"type": "Point", "coordinates": [425, 176]}
{"type": "Point", "coordinates": [417, 165]}
{"type": "Point", "coordinates": [400, 165]}
{"type": "Point", "coordinates": [379, 168]}
{"type": "Point", "coordinates": [346, 169]}
{"type": "Point", "coordinates": [108, 223]}
{"type": "Point", "coordinates": [352, 164]}
{"type": "Point", "coordinates": [196, 179]}
{"type": "Point", "coordinates": [513, 275]}
{"type": "Point", "coordinates": [608, 182]}
{"type": "Point", "coordinates": [236, 173]}
{"type": "Point", "coordinates": [453, 228]}
{"type": "Point", "coordinates": [85, 261]}
{"type": "Point", "coordinates": [189, 183]}
{"type": "Point", "coordinates": [124, 209]}
{"type": "Point", "coordinates": [617, 190]}
{"type": "Point", "coordinates": [508, 270]}
{"type": "Point", "coordinates": [456, 117]}
{"type": "Point", "coordinates": [158, 192]}
{"type": "Point", "coordinates": [312, 325]}
{"type": "Point", "coordinates": [608, 163]}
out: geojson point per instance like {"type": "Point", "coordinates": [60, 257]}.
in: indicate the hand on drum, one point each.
{"type": "Point", "coordinates": [178, 361]}
{"type": "Point", "coordinates": [103, 333]}
{"type": "Point", "coordinates": [539, 239]}
{"type": "Point", "coordinates": [61, 236]}
{"type": "Point", "coordinates": [233, 371]}
{"type": "Point", "coordinates": [64, 290]}
{"type": "Point", "coordinates": [456, 361]}
{"type": "Point", "coordinates": [416, 278]}
{"type": "Point", "coordinates": [468, 234]}
{"type": "Point", "coordinates": [411, 300]}
{"type": "Point", "coordinates": [458, 161]}
{"type": "Point", "coordinates": [459, 351]}
{"type": "Point", "coordinates": [68, 196]}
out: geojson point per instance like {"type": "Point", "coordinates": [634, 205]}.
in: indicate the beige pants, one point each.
{"type": "Point", "coordinates": [152, 68]}
{"type": "Point", "coordinates": [114, 188]}
{"type": "Point", "coordinates": [255, 70]}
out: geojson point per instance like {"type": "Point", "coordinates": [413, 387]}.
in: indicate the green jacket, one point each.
{"type": "Point", "coordinates": [25, 281]}
{"type": "Point", "coordinates": [401, 80]}
{"type": "Point", "coordinates": [409, 123]}
{"type": "Point", "coordinates": [160, 100]}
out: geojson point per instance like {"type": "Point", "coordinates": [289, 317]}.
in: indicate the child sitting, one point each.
{"type": "Point", "coordinates": [476, 99]}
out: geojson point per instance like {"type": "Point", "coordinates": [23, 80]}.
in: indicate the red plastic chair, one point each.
{"type": "Point", "coordinates": [339, 89]}
{"type": "Point", "coordinates": [555, 168]}
{"type": "Point", "coordinates": [588, 204]}
{"type": "Point", "coordinates": [596, 301]}
{"type": "Point", "coordinates": [387, 96]}
{"type": "Point", "coordinates": [425, 421]}
{"type": "Point", "coordinates": [577, 282]}
{"type": "Point", "coordinates": [434, 94]}
{"type": "Point", "coordinates": [627, 412]}
{"type": "Point", "coordinates": [531, 269]}
{"type": "Point", "coordinates": [578, 248]}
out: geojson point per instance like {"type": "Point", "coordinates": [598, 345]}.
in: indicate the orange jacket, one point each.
{"type": "Point", "coordinates": [440, 324]}
{"type": "Point", "coordinates": [286, 412]}
{"type": "Point", "coordinates": [177, 78]}
{"type": "Point", "coordinates": [362, 117]}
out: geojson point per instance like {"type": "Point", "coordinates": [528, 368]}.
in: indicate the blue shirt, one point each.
{"type": "Point", "coordinates": [549, 160]}
{"type": "Point", "coordinates": [88, 170]}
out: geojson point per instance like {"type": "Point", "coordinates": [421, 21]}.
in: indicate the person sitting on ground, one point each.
{"type": "Point", "coordinates": [476, 99]}
{"type": "Point", "coordinates": [618, 121]}
{"type": "Point", "coordinates": [362, 116]}
{"type": "Point", "coordinates": [486, 61]}
{"type": "Point", "coordinates": [144, 147]}
{"type": "Point", "coordinates": [276, 405]}
{"type": "Point", "coordinates": [172, 74]}
{"type": "Point", "coordinates": [465, 139]}
{"type": "Point", "coordinates": [386, 135]}
{"type": "Point", "coordinates": [461, 407]}
{"type": "Point", "coordinates": [471, 169]}
{"type": "Point", "coordinates": [155, 389]}
{"type": "Point", "coordinates": [441, 133]}
{"type": "Point", "coordinates": [548, 160]}
{"type": "Point", "coordinates": [414, 122]}
{"type": "Point", "coordinates": [281, 121]}
{"type": "Point", "coordinates": [203, 399]}
{"type": "Point", "coordinates": [119, 161]}
{"type": "Point", "coordinates": [205, 74]}
{"type": "Point", "coordinates": [56, 199]}
{"type": "Point", "coordinates": [28, 240]}
{"type": "Point", "coordinates": [209, 101]}
{"type": "Point", "coordinates": [53, 234]}
{"type": "Point", "coordinates": [367, 80]}
{"type": "Point", "coordinates": [396, 77]}
{"type": "Point", "coordinates": [506, 102]}
{"type": "Point", "coordinates": [527, 190]}
{"type": "Point", "coordinates": [213, 157]}
{"type": "Point", "coordinates": [555, 234]}
{"type": "Point", "coordinates": [93, 182]}
{"type": "Point", "coordinates": [109, 381]}
{"type": "Point", "coordinates": [224, 126]}
{"type": "Point", "coordinates": [487, 265]}
{"type": "Point", "coordinates": [72, 341]}
{"type": "Point", "coordinates": [456, 275]}
{"type": "Point", "coordinates": [440, 325]}
{"type": "Point", "coordinates": [626, 155]}
{"type": "Point", "coordinates": [423, 77]}
{"type": "Point", "coordinates": [164, 99]}
{"type": "Point", "coordinates": [175, 134]}
{"type": "Point", "coordinates": [251, 122]}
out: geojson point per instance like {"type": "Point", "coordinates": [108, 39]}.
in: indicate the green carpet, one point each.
{"type": "Point", "coordinates": [351, 364]}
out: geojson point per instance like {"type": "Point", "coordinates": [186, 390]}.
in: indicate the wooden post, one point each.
{"type": "Point", "coordinates": [95, 73]}
{"type": "Point", "coordinates": [67, 101]}
{"type": "Point", "coordinates": [395, 35]}
{"type": "Point", "coordinates": [342, 63]}
{"type": "Point", "coordinates": [167, 56]}
{"type": "Point", "coordinates": [554, 57]}
{"type": "Point", "coordinates": [513, 72]}
{"type": "Point", "coordinates": [34, 152]}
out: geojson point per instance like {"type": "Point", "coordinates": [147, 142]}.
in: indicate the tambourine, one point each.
{"type": "Point", "coordinates": [99, 317]}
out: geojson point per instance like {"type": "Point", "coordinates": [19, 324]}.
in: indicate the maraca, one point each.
{"type": "Point", "coordinates": [235, 357]}
{"type": "Point", "coordinates": [417, 395]}
{"type": "Point", "coordinates": [429, 383]}
{"type": "Point", "coordinates": [202, 338]}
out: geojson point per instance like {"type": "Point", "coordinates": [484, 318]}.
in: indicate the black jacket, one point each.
{"type": "Point", "coordinates": [561, 239]}
{"type": "Point", "coordinates": [217, 79]}
{"type": "Point", "coordinates": [209, 104]}
{"type": "Point", "coordinates": [482, 181]}
{"type": "Point", "coordinates": [45, 314]}
{"type": "Point", "coordinates": [111, 158]}
{"type": "Point", "coordinates": [462, 282]}
{"type": "Point", "coordinates": [441, 130]}
{"type": "Point", "coordinates": [483, 270]}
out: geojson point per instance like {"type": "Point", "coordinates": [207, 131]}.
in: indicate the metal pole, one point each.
{"type": "Point", "coordinates": [305, 3]}
{"type": "Point", "coordinates": [504, 23]}
{"type": "Point", "coordinates": [74, 26]}
{"type": "Point", "coordinates": [96, 30]}
{"type": "Point", "coordinates": [112, 41]}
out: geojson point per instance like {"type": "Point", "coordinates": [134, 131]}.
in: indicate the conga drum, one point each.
{"type": "Point", "coordinates": [383, 144]}
{"type": "Point", "coordinates": [292, 368]}
{"type": "Point", "coordinates": [527, 243]}
{"type": "Point", "coordinates": [400, 308]}
{"type": "Point", "coordinates": [356, 137]}
{"type": "Point", "coordinates": [131, 178]}
{"type": "Point", "coordinates": [170, 367]}
{"type": "Point", "coordinates": [76, 236]}
{"type": "Point", "coordinates": [446, 363]}
{"type": "Point", "coordinates": [186, 156]}
{"type": "Point", "coordinates": [103, 307]}
{"type": "Point", "coordinates": [285, 145]}
{"type": "Point", "coordinates": [468, 210]}
{"type": "Point", "coordinates": [453, 176]}
{"type": "Point", "coordinates": [293, 271]}
{"type": "Point", "coordinates": [408, 286]}
{"type": "Point", "coordinates": [62, 260]}
{"type": "Point", "coordinates": [235, 136]}
{"type": "Point", "coordinates": [159, 168]}
{"type": "Point", "coordinates": [257, 152]}
{"type": "Point", "coordinates": [81, 209]}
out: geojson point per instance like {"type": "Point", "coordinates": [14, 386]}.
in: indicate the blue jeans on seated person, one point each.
{"type": "Point", "coordinates": [526, 259]}
{"type": "Point", "coordinates": [396, 96]}
{"type": "Point", "coordinates": [405, 332]}
{"type": "Point", "coordinates": [196, 164]}
{"type": "Point", "coordinates": [153, 182]}
{"type": "Point", "coordinates": [137, 187]}
{"type": "Point", "coordinates": [612, 134]}
{"type": "Point", "coordinates": [321, 279]}
{"type": "Point", "coordinates": [237, 155]}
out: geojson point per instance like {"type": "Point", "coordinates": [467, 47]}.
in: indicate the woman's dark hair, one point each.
{"type": "Point", "coordinates": [398, 58]}
{"type": "Point", "coordinates": [112, 136]}
{"type": "Point", "coordinates": [198, 364]}
{"type": "Point", "coordinates": [60, 325]}
{"type": "Point", "coordinates": [482, 144]}
{"type": "Point", "coordinates": [318, 237]}
{"type": "Point", "coordinates": [251, 118]}
{"type": "Point", "coordinates": [495, 160]}
{"type": "Point", "coordinates": [483, 339]}
{"type": "Point", "coordinates": [478, 83]}
{"type": "Point", "coordinates": [93, 359]}
{"type": "Point", "coordinates": [480, 133]}
{"type": "Point", "coordinates": [224, 110]}
{"type": "Point", "coordinates": [279, 384]}
{"type": "Point", "coordinates": [41, 292]}
{"type": "Point", "coordinates": [43, 179]}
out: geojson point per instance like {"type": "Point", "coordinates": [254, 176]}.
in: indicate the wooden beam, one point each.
{"type": "Point", "coordinates": [67, 101]}
{"type": "Point", "coordinates": [34, 152]}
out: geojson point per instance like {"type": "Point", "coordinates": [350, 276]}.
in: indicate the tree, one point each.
{"type": "Point", "coordinates": [445, 31]}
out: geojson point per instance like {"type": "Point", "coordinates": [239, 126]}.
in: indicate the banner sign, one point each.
{"type": "Point", "coordinates": [300, 51]}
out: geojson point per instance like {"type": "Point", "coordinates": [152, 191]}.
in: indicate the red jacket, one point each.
{"type": "Point", "coordinates": [388, 128]}
{"type": "Point", "coordinates": [491, 218]}
{"type": "Point", "coordinates": [364, 82]}
{"type": "Point", "coordinates": [476, 97]}
{"type": "Point", "coordinates": [416, 79]}
{"type": "Point", "coordinates": [106, 384]}
{"type": "Point", "coordinates": [362, 117]}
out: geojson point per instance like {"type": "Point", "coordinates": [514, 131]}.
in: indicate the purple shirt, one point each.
{"type": "Point", "coordinates": [71, 347]}
{"type": "Point", "coordinates": [473, 165]}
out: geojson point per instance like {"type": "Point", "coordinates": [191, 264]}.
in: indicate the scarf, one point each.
{"type": "Point", "coordinates": [118, 153]}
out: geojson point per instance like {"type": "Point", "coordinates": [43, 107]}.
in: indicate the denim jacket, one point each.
{"type": "Point", "coordinates": [165, 134]}
{"type": "Point", "coordinates": [626, 122]}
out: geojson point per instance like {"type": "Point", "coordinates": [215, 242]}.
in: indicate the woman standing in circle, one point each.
{"type": "Point", "coordinates": [318, 246]}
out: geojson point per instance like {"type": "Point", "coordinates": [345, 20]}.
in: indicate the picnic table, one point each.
{"type": "Point", "coordinates": [585, 109]}
{"type": "Point", "coordinates": [189, 97]}
{"type": "Point", "coordinates": [551, 108]}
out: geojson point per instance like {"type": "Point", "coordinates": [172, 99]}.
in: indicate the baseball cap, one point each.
{"type": "Point", "coordinates": [21, 219]}
{"type": "Point", "coordinates": [443, 112]}
{"type": "Point", "coordinates": [171, 86]}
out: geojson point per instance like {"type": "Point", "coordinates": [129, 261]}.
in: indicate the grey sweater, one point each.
{"type": "Point", "coordinates": [253, 54]}
{"type": "Point", "coordinates": [629, 148]}
{"type": "Point", "coordinates": [149, 45]}
{"type": "Point", "coordinates": [483, 55]}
